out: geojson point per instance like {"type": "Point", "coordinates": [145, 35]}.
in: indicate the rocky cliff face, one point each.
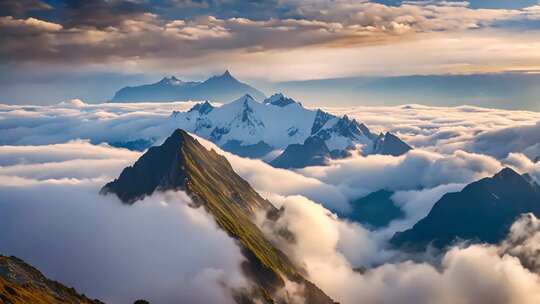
{"type": "Point", "coordinates": [181, 163]}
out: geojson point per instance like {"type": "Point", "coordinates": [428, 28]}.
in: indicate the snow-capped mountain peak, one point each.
{"type": "Point", "coordinates": [273, 124]}
{"type": "Point", "coordinates": [246, 98]}
{"type": "Point", "coordinates": [202, 108]}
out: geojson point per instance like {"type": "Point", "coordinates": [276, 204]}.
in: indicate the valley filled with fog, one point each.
{"type": "Point", "coordinates": [55, 159]}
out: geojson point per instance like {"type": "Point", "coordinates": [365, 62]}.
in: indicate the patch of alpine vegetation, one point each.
{"type": "Point", "coordinates": [21, 283]}
{"type": "Point", "coordinates": [181, 163]}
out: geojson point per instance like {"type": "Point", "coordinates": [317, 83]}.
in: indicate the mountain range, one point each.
{"type": "Point", "coordinates": [253, 129]}
{"type": "Point", "coordinates": [182, 163]}
{"type": "Point", "coordinates": [220, 88]}
{"type": "Point", "coordinates": [483, 211]}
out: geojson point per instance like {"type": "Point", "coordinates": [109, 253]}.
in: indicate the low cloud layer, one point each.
{"type": "Point", "coordinates": [444, 130]}
{"type": "Point", "coordinates": [53, 217]}
{"type": "Point", "coordinates": [440, 144]}
{"type": "Point", "coordinates": [493, 132]}
{"type": "Point", "coordinates": [471, 274]}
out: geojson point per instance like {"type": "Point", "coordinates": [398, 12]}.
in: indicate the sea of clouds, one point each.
{"type": "Point", "coordinates": [54, 160]}
{"type": "Point", "coordinates": [53, 217]}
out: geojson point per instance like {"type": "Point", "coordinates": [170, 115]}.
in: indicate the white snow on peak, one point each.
{"type": "Point", "coordinates": [249, 122]}
{"type": "Point", "coordinates": [245, 98]}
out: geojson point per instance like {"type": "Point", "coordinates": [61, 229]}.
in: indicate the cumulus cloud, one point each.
{"type": "Point", "coordinates": [102, 13]}
{"type": "Point", "coordinates": [72, 150]}
{"type": "Point", "coordinates": [110, 251]}
{"type": "Point", "coordinates": [22, 7]}
{"type": "Point", "coordinates": [510, 139]}
{"type": "Point", "coordinates": [523, 241]}
{"type": "Point", "coordinates": [98, 32]}
{"type": "Point", "coordinates": [111, 123]}
{"type": "Point", "coordinates": [473, 274]}
{"type": "Point", "coordinates": [416, 169]}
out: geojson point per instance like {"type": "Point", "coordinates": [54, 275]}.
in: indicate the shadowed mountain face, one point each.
{"type": "Point", "coordinates": [375, 210]}
{"type": "Point", "coordinates": [257, 150]}
{"type": "Point", "coordinates": [21, 283]}
{"type": "Point", "coordinates": [313, 152]}
{"type": "Point", "coordinates": [181, 163]}
{"type": "Point", "coordinates": [217, 88]}
{"type": "Point", "coordinates": [482, 211]}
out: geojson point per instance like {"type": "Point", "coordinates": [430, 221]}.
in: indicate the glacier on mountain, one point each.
{"type": "Point", "coordinates": [274, 124]}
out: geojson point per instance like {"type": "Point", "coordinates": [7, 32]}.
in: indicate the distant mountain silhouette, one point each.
{"type": "Point", "coordinates": [182, 163]}
{"type": "Point", "coordinates": [220, 88]}
{"type": "Point", "coordinates": [483, 211]}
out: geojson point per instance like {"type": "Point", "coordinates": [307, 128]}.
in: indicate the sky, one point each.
{"type": "Point", "coordinates": [56, 50]}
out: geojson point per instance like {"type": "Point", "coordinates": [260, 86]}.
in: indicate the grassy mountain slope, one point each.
{"type": "Point", "coordinates": [182, 163]}
{"type": "Point", "coordinates": [21, 283]}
